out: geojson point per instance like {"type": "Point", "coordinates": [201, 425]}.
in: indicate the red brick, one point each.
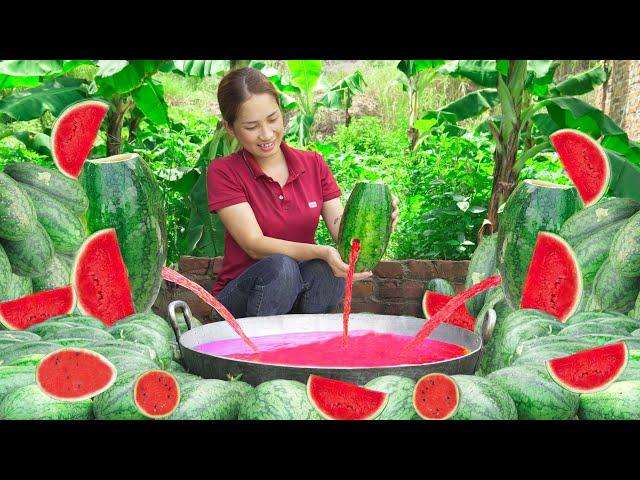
{"type": "Point", "coordinates": [412, 289]}
{"type": "Point", "coordinates": [216, 265]}
{"type": "Point", "coordinates": [389, 308]}
{"type": "Point", "coordinates": [414, 310]}
{"type": "Point", "coordinates": [388, 289]}
{"type": "Point", "coordinates": [421, 269]}
{"type": "Point", "coordinates": [194, 265]}
{"type": "Point", "coordinates": [453, 271]}
{"type": "Point", "coordinates": [362, 289]}
{"type": "Point", "coordinates": [370, 307]}
{"type": "Point", "coordinates": [388, 270]}
{"type": "Point", "coordinates": [199, 308]}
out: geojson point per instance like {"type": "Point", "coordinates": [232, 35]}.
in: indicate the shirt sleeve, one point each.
{"type": "Point", "coordinates": [224, 189]}
{"type": "Point", "coordinates": [330, 188]}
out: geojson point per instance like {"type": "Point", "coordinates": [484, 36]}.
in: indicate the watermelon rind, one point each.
{"type": "Point", "coordinates": [400, 403]}
{"type": "Point", "coordinates": [30, 256]}
{"type": "Point", "coordinates": [620, 401]}
{"type": "Point", "coordinates": [613, 374]}
{"type": "Point", "coordinates": [564, 132]}
{"type": "Point", "coordinates": [56, 275]}
{"type": "Point", "coordinates": [480, 399]}
{"type": "Point", "coordinates": [31, 403]}
{"type": "Point", "coordinates": [89, 395]}
{"type": "Point", "coordinates": [278, 400]}
{"type": "Point", "coordinates": [18, 287]}
{"type": "Point", "coordinates": [17, 214]}
{"type": "Point", "coordinates": [613, 291]}
{"type": "Point", "coordinates": [315, 381]}
{"type": "Point", "coordinates": [13, 376]}
{"type": "Point", "coordinates": [440, 285]}
{"type": "Point", "coordinates": [625, 249]}
{"type": "Point", "coordinates": [210, 399]}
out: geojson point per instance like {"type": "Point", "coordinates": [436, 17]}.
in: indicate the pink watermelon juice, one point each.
{"type": "Point", "coordinates": [366, 348]}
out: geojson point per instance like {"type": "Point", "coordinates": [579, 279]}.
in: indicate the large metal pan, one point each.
{"type": "Point", "coordinates": [212, 366]}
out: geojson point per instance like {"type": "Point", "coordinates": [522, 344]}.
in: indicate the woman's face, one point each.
{"type": "Point", "coordinates": [259, 126]}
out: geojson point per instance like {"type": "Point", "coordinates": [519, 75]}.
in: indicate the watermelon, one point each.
{"type": "Point", "coordinates": [338, 400]}
{"type": "Point", "coordinates": [613, 291]}
{"type": "Point", "coordinates": [144, 335]}
{"type": "Point", "coordinates": [531, 208]}
{"type": "Point", "coordinates": [82, 320]}
{"type": "Point", "coordinates": [621, 401]}
{"type": "Point", "coordinates": [12, 336]}
{"type": "Point", "coordinates": [100, 278]}
{"type": "Point", "coordinates": [12, 377]}
{"type": "Point", "coordinates": [35, 308]}
{"type": "Point", "coordinates": [156, 394]}
{"type": "Point", "coordinates": [278, 400]}
{"type": "Point", "coordinates": [18, 287]}
{"type": "Point", "coordinates": [117, 402]}
{"type": "Point", "coordinates": [481, 266]}
{"type": "Point", "coordinates": [152, 321]}
{"type": "Point", "coordinates": [210, 399]}
{"type": "Point", "coordinates": [367, 217]}
{"type": "Point", "coordinates": [123, 194]}
{"type": "Point", "coordinates": [585, 162]}
{"type": "Point", "coordinates": [56, 275]}
{"type": "Point", "coordinates": [31, 403]}
{"type": "Point", "coordinates": [125, 346]}
{"type": "Point", "coordinates": [625, 249]}
{"type": "Point", "coordinates": [10, 353]}
{"type": "Point", "coordinates": [31, 256]}
{"type": "Point", "coordinates": [588, 221]}
{"type": "Point", "coordinates": [73, 134]}
{"type": "Point", "coordinates": [436, 397]}
{"type": "Point", "coordinates": [589, 370]}
{"type": "Point", "coordinates": [175, 367]}
{"type": "Point", "coordinates": [128, 362]}
{"type": "Point", "coordinates": [78, 332]}
{"type": "Point", "coordinates": [535, 394]}
{"type": "Point", "coordinates": [516, 335]}
{"type": "Point", "coordinates": [400, 402]}
{"type": "Point", "coordinates": [62, 188]}
{"type": "Point", "coordinates": [17, 214]}
{"type": "Point", "coordinates": [496, 301]}
{"type": "Point", "coordinates": [591, 316]}
{"type": "Point", "coordinates": [5, 273]}
{"type": "Point", "coordinates": [433, 302]}
{"type": "Point", "coordinates": [74, 374]}
{"type": "Point", "coordinates": [481, 399]}
{"type": "Point", "coordinates": [440, 285]}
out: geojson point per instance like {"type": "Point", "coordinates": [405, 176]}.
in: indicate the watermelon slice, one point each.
{"type": "Point", "coordinates": [337, 400]}
{"type": "Point", "coordinates": [73, 134]}
{"type": "Point", "coordinates": [553, 283]}
{"type": "Point", "coordinates": [433, 302]}
{"type": "Point", "coordinates": [101, 280]}
{"type": "Point", "coordinates": [156, 394]}
{"type": "Point", "coordinates": [585, 162]}
{"type": "Point", "coordinates": [74, 374]}
{"type": "Point", "coordinates": [590, 370]}
{"type": "Point", "coordinates": [436, 396]}
{"type": "Point", "coordinates": [23, 312]}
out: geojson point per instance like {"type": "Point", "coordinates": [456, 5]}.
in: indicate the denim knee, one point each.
{"type": "Point", "coordinates": [324, 290]}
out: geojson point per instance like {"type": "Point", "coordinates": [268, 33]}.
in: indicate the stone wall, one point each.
{"type": "Point", "coordinates": [619, 96]}
{"type": "Point", "coordinates": [396, 287]}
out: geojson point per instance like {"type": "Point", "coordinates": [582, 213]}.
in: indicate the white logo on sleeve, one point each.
{"type": "Point", "coordinates": [313, 204]}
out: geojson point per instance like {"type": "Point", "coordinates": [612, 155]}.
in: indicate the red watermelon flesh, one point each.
{"type": "Point", "coordinates": [338, 400]}
{"type": "Point", "coordinates": [156, 394]}
{"type": "Point", "coordinates": [589, 370]}
{"type": "Point", "coordinates": [101, 280]}
{"type": "Point", "coordinates": [26, 311]}
{"type": "Point", "coordinates": [553, 283]}
{"type": "Point", "coordinates": [74, 374]}
{"type": "Point", "coordinates": [585, 162]}
{"type": "Point", "coordinates": [73, 134]}
{"type": "Point", "coordinates": [433, 302]}
{"type": "Point", "coordinates": [436, 397]}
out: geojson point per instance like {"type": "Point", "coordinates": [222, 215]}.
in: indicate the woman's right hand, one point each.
{"type": "Point", "coordinates": [340, 269]}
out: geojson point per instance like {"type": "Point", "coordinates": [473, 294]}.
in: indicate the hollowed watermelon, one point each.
{"type": "Point", "coordinates": [433, 302]}
{"type": "Point", "coordinates": [101, 280]}
{"type": "Point", "coordinates": [156, 394]}
{"type": "Point", "coordinates": [436, 397]}
{"type": "Point", "coordinates": [75, 374]}
{"type": "Point", "coordinates": [73, 134]}
{"type": "Point", "coordinates": [590, 370]}
{"type": "Point", "coordinates": [337, 400]}
{"type": "Point", "coordinates": [21, 313]}
{"type": "Point", "coordinates": [553, 283]}
{"type": "Point", "coordinates": [585, 162]}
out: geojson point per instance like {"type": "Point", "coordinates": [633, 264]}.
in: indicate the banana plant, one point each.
{"type": "Point", "coordinates": [418, 75]}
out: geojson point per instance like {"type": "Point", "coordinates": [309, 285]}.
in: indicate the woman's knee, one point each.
{"type": "Point", "coordinates": [284, 269]}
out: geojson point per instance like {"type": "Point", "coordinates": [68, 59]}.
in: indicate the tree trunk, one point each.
{"type": "Point", "coordinates": [134, 122]}
{"type": "Point", "coordinates": [347, 116]}
{"type": "Point", "coordinates": [115, 119]}
{"type": "Point", "coordinates": [413, 110]}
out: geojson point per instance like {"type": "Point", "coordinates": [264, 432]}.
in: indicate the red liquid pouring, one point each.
{"type": "Point", "coordinates": [175, 277]}
{"type": "Point", "coordinates": [355, 251]}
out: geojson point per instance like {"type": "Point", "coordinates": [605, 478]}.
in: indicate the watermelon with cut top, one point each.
{"type": "Point", "coordinates": [74, 133]}
{"type": "Point", "coordinates": [23, 312]}
{"type": "Point", "coordinates": [554, 282]}
{"type": "Point", "coordinates": [338, 400]}
{"type": "Point", "coordinates": [585, 162]}
{"type": "Point", "coordinates": [590, 370]}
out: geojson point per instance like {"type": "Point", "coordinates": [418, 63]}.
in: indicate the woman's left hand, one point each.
{"type": "Point", "coordinates": [394, 213]}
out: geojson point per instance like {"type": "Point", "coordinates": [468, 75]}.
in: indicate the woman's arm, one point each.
{"type": "Point", "coordinates": [332, 214]}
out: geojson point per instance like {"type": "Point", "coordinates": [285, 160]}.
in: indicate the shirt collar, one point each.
{"type": "Point", "coordinates": [294, 163]}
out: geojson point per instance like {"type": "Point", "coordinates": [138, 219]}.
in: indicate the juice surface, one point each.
{"type": "Point", "coordinates": [366, 348]}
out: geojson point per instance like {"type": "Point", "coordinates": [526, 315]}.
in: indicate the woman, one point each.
{"type": "Point", "coordinates": [269, 197]}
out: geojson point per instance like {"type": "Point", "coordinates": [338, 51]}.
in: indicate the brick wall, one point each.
{"type": "Point", "coordinates": [396, 287]}
{"type": "Point", "coordinates": [619, 97]}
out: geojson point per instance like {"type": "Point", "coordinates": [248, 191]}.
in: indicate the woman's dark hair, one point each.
{"type": "Point", "coordinates": [237, 86]}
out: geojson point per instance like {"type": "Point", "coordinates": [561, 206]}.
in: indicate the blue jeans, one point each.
{"type": "Point", "coordinates": [279, 284]}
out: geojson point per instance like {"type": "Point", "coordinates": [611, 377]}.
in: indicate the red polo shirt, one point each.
{"type": "Point", "coordinates": [289, 213]}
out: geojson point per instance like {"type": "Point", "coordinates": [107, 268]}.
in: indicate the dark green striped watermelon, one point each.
{"type": "Point", "coordinates": [210, 399]}
{"type": "Point", "coordinates": [595, 218]}
{"type": "Point", "coordinates": [400, 402]}
{"type": "Point", "coordinates": [481, 266]}
{"type": "Point", "coordinates": [10, 353]}
{"type": "Point", "coordinates": [440, 285]}
{"type": "Point", "coordinates": [64, 228]}
{"type": "Point", "coordinates": [117, 402]}
{"type": "Point", "coordinates": [481, 399]}
{"type": "Point", "coordinates": [146, 336]}
{"type": "Point", "coordinates": [621, 401]}
{"type": "Point", "coordinates": [76, 319]}
{"type": "Point", "coordinates": [531, 208]}
{"type": "Point", "coordinates": [17, 214]}
{"type": "Point", "coordinates": [13, 377]}
{"type": "Point", "coordinates": [56, 275]}
{"type": "Point", "coordinates": [124, 195]}
{"type": "Point", "coordinates": [31, 403]}
{"type": "Point", "coordinates": [367, 217]}
{"type": "Point", "coordinates": [18, 287]}
{"type": "Point", "coordinates": [5, 272]}
{"type": "Point", "coordinates": [613, 291]}
{"type": "Point", "coordinates": [77, 332]}
{"type": "Point", "coordinates": [278, 400]}
{"type": "Point", "coordinates": [30, 256]}
{"type": "Point", "coordinates": [625, 249]}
